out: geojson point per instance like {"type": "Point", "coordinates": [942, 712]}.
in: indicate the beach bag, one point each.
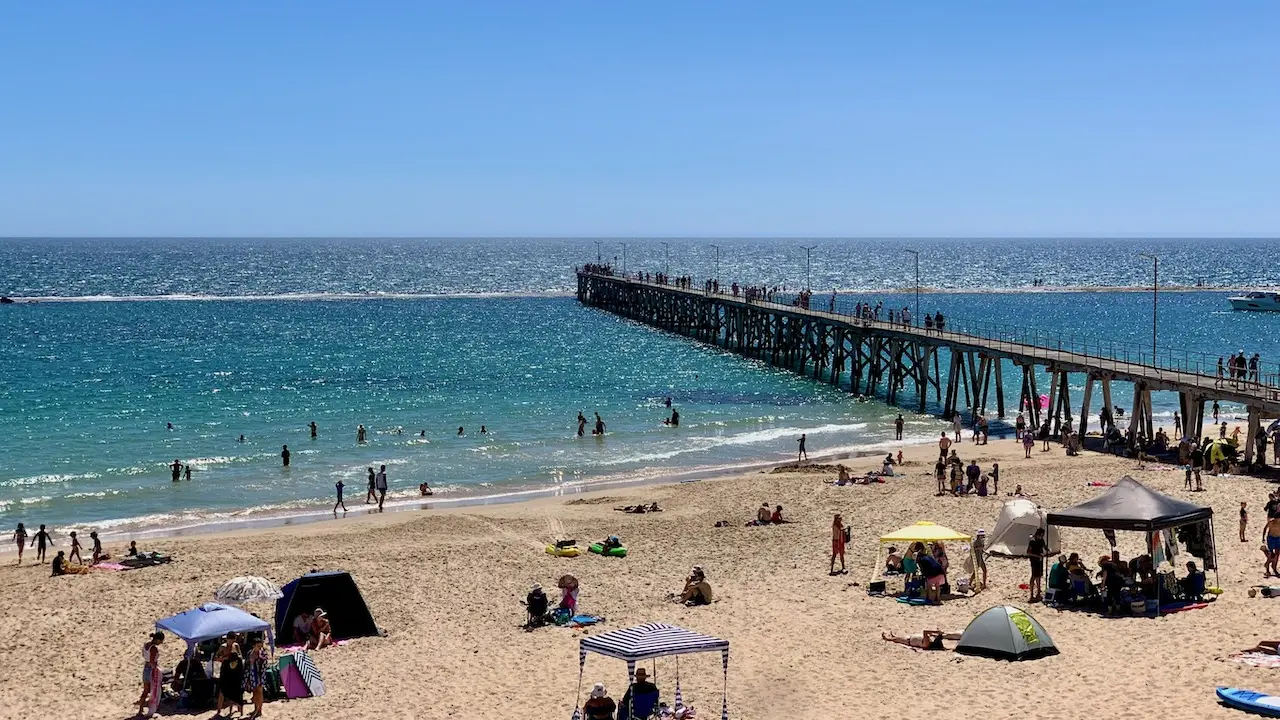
{"type": "Point", "coordinates": [848, 535]}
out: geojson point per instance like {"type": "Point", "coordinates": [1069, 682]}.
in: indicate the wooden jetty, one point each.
{"type": "Point", "coordinates": [905, 362]}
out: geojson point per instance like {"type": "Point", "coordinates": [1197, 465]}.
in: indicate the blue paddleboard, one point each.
{"type": "Point", "coordinates": [1250, 701]}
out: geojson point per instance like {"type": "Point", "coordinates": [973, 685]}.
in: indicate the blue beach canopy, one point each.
{"type": "Point", "coordinates": [212, 620]}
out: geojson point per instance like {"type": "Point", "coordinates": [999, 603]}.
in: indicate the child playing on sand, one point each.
{"type": "Point", "coordinates": [75, 549]}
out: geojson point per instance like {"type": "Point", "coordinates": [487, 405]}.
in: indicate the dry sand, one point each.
{"type": "Point", "coordinates": [446, 586]}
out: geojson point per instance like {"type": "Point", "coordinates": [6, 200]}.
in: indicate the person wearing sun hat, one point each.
{"type": "Point", "coordinates": [640, 700]}
{"type": "Point", "coordinates": [599, 706]}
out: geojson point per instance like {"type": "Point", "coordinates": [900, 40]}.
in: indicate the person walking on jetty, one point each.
{"type": "Point", "coordinates": [380, 482]}
{"type": "Point", "coordinates": [803, 454]}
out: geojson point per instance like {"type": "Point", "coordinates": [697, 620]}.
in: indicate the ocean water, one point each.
{"type": "Point", "coordinates": [415, 338]}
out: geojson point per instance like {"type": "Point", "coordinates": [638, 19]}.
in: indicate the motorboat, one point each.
{"type": "Point", "coordinates": [1256, 301]}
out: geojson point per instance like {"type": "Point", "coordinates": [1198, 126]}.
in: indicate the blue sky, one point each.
{"type": "Point", "coordinates": [640, 118]}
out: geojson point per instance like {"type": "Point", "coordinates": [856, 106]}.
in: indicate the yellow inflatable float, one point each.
{"type": "Point", "coordinates": [564, 548]}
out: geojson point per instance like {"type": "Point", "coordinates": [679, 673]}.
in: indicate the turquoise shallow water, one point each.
{"type": "Point", "coordinates": [90, 385]}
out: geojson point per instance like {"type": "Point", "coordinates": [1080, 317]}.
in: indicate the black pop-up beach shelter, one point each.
{"type": "Point", "coordinates": [334, 591]}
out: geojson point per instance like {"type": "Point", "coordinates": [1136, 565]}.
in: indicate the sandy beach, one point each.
{"type": "Point", "coordinates": [446, 586]}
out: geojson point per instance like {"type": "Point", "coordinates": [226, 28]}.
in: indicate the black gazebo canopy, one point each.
{"type": "Point", "coordinates": [1130, 505]}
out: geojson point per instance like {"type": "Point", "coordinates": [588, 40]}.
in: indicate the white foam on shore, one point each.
{"type": "Point", "coordinates": [191, 522]}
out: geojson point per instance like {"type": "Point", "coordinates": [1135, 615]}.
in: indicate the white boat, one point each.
{"type": "Point", "coordinates": [1256, 301]}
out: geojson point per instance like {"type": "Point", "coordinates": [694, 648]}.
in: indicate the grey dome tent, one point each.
{"type": "Point", "coordinates": [337, 593]}
{"type": "Point", "coordinates": [1005, 632]}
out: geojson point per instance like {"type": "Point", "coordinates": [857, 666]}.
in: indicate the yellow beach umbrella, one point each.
{"type": "Point", "coordinates": [924, 531]}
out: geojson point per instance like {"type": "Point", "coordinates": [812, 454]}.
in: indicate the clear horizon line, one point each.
{"type": "Point", "coordinates": [644, 237]}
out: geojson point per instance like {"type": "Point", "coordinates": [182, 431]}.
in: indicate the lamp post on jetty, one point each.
{"type": "Point", "coordinates": [807, 250]}
{"type": "Point", "coordinates": [666, 255]}
{"type": "Point", "coordinates": [597, 252]}
{"type": "Point", "coordinates": [1155, 297]}
{"type": "Point", "coordinates": [916, 253]}
{"type": "Point", "coordinates": [624, 259]}
{"type": "Point", "coordinates": [717, 249]}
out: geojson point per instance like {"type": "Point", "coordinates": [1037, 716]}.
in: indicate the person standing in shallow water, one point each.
{"type": "Point", "coordinates": [802, 454]}
{"type": "Point", "coordinates": [338, 486]}
{"type": "Point", "coordinates": [897, 427]}
{"type": "Point", "coordinates": [313, 429]}
{"type": "Point", "coordinates": [176, 467]}
{"type": "Point", "coordinates": [284, 455]}
{"type": "Point", "coordinates": [360, 434]}
{"type": "Point", "coordinates": [380, 482]}
{"type": "Point", "coordinates": [582, 424]}
{"type": "Point", "coordinates": [372, 495]}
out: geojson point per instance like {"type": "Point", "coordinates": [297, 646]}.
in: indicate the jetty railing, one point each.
{"type": "Point", "coordinates": [1034, 342]}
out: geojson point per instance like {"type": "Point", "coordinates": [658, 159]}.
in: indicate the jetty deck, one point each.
{"type": "Point", "coordinates": [905, 361]}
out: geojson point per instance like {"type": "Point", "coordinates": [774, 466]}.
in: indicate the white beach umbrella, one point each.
{"type": "Point", "coordinates": [247, 589]}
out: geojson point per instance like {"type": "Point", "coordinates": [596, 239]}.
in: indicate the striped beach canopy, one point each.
{"type": "Point", "coordinates": [651, 641]}
{"type": "Point", "coordinates": [646, 642]}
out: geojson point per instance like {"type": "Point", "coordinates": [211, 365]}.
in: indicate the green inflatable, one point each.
{"type": "Point", "coordinates": [615, 551]}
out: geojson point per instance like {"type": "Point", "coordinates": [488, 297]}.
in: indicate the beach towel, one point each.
{"type": "Point", "coordinates": [310, 673]}
{"type": "Point", "coordinates": [583, 620]}
{"type": "Point", "coordinates": [110, 566]}
{"type": "Point", "coordinates": [1255, 659]}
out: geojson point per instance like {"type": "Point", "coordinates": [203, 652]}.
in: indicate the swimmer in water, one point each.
{"type": "Point", "coordinates": [582, 423]}
{"type": "Point", "coordinates": [483, 430]}
{"type": "Point", "coordinates": [460, 431]}
{"type": "Point", "coordinates": [422, 434]}
{"type": "Point", "coordinates": [176, 467]}
{"type": "Point", "coordinates": [186, 473]}
{"type": "Point", "coordinates": [599, 429]}
{"type": "Point", "coordinates": [241, 439]}
{"type": "Point", "coordinates": [169, 426]}
{"type": "Point", "coordinates": [284, 455]}
{"type": "Point", "coordinates": [313, 429]}
{"type": "Point", "coordinates": [360, 434]}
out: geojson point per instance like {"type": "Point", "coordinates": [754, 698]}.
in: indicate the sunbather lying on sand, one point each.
{"type": "Point", "coordinates": [925, 640]}
{"type": "Point", "coordinates": [652, 507]}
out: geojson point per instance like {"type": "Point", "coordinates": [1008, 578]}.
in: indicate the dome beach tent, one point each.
{"type": "Point", "coordinates": [1018, 521]}
{"type": "Point", "coordinates": [337, 593]}
{"type": "Point", "coordinates": [1005, 632]}
{"type": "Point", "coordinates": [1130, 505]}
{"type": "Point", "coordinates": [646, 642]}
